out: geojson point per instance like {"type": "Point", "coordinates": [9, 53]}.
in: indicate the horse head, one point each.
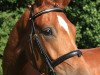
{"type": "Point", "coordinates": [51, 32]}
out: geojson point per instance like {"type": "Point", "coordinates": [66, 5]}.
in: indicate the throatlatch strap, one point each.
{"type": "Point", "coordinates": [66, 56]}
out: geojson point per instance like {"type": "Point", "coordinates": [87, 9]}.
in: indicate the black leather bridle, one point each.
{"type": "Point", "coordinates": [34, 36]}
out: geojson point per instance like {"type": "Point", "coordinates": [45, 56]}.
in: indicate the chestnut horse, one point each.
{"type": "Point", "coordinates": [43, 43]}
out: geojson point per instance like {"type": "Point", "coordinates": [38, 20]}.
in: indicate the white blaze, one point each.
{"type": "Point", "coordinates": [63, 23]}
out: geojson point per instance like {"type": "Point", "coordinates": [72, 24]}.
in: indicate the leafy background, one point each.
{"type": "Point", "coordinates": [84, 14]}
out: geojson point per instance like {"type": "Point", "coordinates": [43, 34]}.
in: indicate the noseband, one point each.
{"type": "Point", "coordinates": [33, 35]}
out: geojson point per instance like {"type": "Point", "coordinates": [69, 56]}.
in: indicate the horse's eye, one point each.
{"type": "Point", "coordinates": [47, 31]}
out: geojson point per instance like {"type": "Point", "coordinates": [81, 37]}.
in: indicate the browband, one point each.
{"type": "Point", "coordinates": [47, 11]}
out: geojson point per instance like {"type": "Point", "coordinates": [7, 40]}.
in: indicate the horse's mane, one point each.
{"type": "Point", "coordinates": [13, 48]}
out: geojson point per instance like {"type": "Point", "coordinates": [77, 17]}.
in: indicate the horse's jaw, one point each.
{"type": "Point", "coordinates": [73, 66]}
{"type": "Point", "coordinates": [64, 69]}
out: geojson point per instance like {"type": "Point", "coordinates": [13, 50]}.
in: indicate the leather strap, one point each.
{"type": "Point", "coordinates": [66, 56]}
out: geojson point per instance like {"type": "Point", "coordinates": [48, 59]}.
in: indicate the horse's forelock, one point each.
{"type": "Point", "coordinates": [55, 3]}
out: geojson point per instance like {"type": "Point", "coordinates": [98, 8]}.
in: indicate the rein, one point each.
{"type": "Point", "coordinates": [34, 36]}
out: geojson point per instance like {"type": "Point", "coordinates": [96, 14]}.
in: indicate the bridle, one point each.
{"type": "Point", "coordinates": [51, 64]}
{"type": "Point", "coordinates": [34, 36]}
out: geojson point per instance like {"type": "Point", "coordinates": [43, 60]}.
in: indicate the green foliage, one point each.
{"type": "Point", "coordinates": [86, 16]}
{"type": "Point", "coordinates": [13, 4]}
{"type": "Point", "coordinates": [1, 67]}
{"type": "Point", "coordinates": [11, 1]}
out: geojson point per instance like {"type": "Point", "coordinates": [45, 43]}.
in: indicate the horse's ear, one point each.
{"type": "Point", "coordinates": [56, 3]}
